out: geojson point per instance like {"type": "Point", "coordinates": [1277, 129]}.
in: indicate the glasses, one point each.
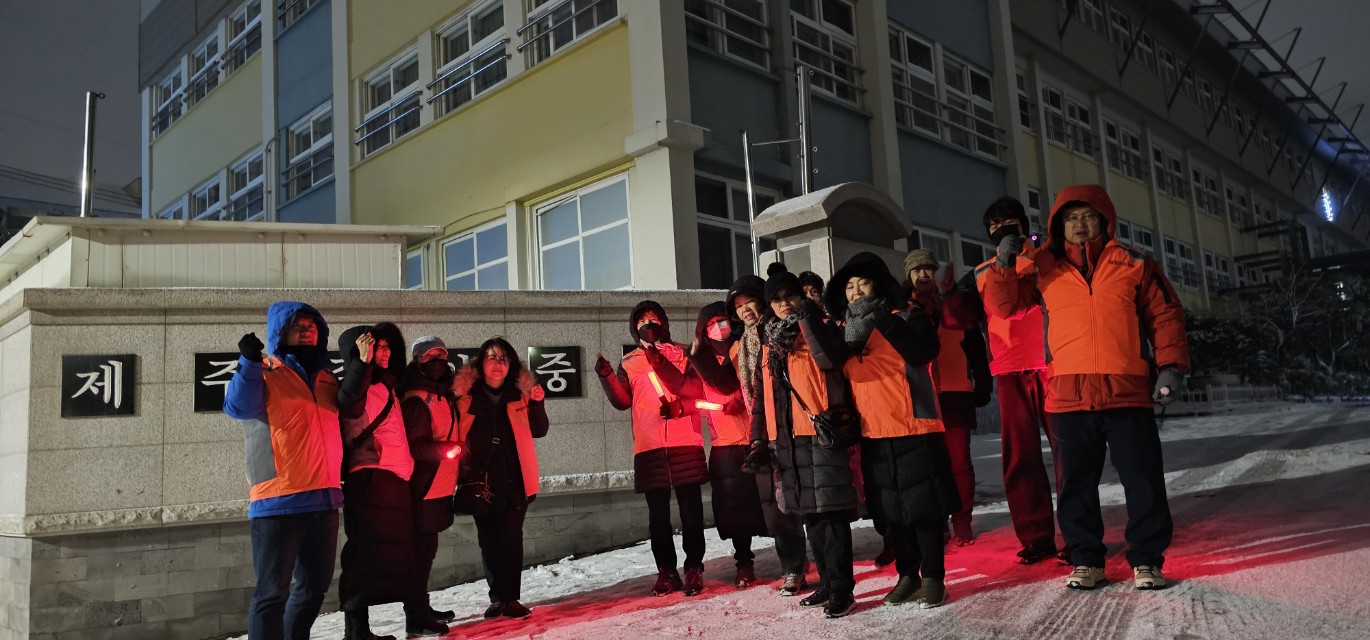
{"type": "Point", "coordinates": [1087, 218]}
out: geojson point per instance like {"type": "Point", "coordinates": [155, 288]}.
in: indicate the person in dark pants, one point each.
{"type": "Point", "coordinates": [430, 415]}
{"type": "Point", "coordinates": [499, 412]}
{"type": "Point", "coordinates": [1019, 364]}
{"type": "Point", "coordinates": [904, 460]}
{"type": "Point", "coordinates": [287, 399]}
{"type": "Point", "coordinates": [961, 370]}
{"type": "Point", "coordinates": [800, 373]}
{"type": "Point", "coordinates": [1118, 347]}
{"type": "Point", "coordinates": [668, 452]}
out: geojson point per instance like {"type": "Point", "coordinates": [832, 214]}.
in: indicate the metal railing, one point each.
{"type": "Point", "coordinates": [548, 29]}
{"type": "Point", "coordinates": [1075, 136]}
{"type": "Point", "coordinates": [852, 85]}
{"type": "Point", "coordinates": [204, 81]}
{"type": "Point", "coordinates": [1171, 184]}
{"type": "Point", "coordinates": [1219, 396]}
{"type": "Point", "coordinates": [715, 17]}
{"type": "Point", "coordinates": [974, 128]}
{"type": "Point", "coordinates": [1128, 163]}
{"type": "Point", "coordinates": [306, 173]}
{"type": "Point", "coordinates": [240, 51]}
{"type": "Point", "coordinates": [248, 207]}
{"type": "Point", "coordinates": [456, 83]}
{"type": "Point", "coordinates": [168, 114]}
{"type": "Point", "coordinates": [411, 105]}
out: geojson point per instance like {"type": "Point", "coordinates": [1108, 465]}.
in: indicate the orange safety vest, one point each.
{"type": "Point", "coordinates": [880, 387]}
{"type": "Point", "coordinates": [306, 441]}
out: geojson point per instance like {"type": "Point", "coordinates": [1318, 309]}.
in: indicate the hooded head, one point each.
{"type": "Point", "coordinates": [636, 316]}
{"type": "Point", "coordinates": [1070, 197]}
{"type": "Point", "coordinates": [279, 318]}
{"type": "Point", "coordinates": [347, 344]}
{"type": "Point", "coordinates": [750, 286]}
{"type": "Point", "coordinates": [1005, 209]}
{"type": "Point", "coordinates": [709, 313]}
{"type": "Point", "coordinates": [862, 265]}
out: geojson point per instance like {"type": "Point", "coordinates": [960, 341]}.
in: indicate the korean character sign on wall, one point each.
{"type": "Point", "coordinates": [99, 386]}
{"type": "Point", "coordinates": [460, 356]}
{"type": "Point", "coordinates": [557, 370]}
{"type": "Point", "coordinates": [212, 373]}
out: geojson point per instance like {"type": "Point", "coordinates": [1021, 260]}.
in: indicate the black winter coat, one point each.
{"type": "Point", "coordinates": [735, 496]}
{"type": "Point", "coordinates": [668, 468]}
{"type": "Point", "coordinates": [908, 480]}
{"type": "Point", "coordinates": [378, 557]}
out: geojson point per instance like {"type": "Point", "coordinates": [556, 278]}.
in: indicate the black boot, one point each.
{"type": "Point", "coordinates": [667, 580]}
{"type": "Point", "coordinates": [357, 626]}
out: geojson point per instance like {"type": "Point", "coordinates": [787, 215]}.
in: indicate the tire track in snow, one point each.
{"type": "Point", "coordinates": [1073, 615]}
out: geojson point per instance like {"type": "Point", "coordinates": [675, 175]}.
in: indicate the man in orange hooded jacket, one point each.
{"type": "Point", "coordinates": [1113, 320]}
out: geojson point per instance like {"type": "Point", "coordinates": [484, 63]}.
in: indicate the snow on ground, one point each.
{"type": "Point", "coordinates": [1272, 541]}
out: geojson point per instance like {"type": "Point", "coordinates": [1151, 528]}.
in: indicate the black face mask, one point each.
{"type": "Point", "coordinates": [304, 353]}
{"type": "Point", "coordinates": [653, 332]}
{"type": "Point", "coordinates": [1010, 229]}
{"type": "Point", "coordinates": [434, 369]}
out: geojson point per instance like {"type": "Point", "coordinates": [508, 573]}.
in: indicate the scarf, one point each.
{"type": "Point", "coordinates": [747, 355]}
{"type": "Point", "coordinates": [780, 337]}
{"type": "Point", "coordinates": [861, 321]}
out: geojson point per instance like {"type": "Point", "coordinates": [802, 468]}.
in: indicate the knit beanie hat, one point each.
{"type": "Point", "coordinates": [919, 258]}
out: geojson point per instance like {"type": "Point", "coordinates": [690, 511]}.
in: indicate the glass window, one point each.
{"type": "Point", "coordinates": [827, 45]}
{"type": "Point", "coordinates": [206, 201]}
{"type": "Point", "coordinates": [246, 189]}
{"type": "Point", "coordinates": [391, 98]}
{"type": "Point", "coordinates": [309, 152]}
{"type": "Point", "coordinates": [244, 35]}
{"type": "Point", "coordinates": [477, 259]}
{"type": "Point", "coordinates": [725, 240]}
{"type": "Point", "coordinates": [736, 28]}
{"type": "Point", "coordinates": [471, 57]}
{"type": "Point", "coordinates": [413, 270]}
{"type": "Point", "coordinates": [583, 239]}
{"type": "Point", "coordinates": [552, 29]}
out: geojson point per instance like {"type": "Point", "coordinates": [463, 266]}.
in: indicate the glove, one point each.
{"type": "Point", "coordinates": [672, 409]}
{"type": "Point", "coordinates": [602, 366]}
{"type": "Point", "coordinates": [1009, 248]}
{"type": "Point", "coordinates": [945, 278]}
{"type": "Point", "coordinates": [1169, 385]}
{"type": "Point", "coordinates": [736, 406]}
{"type": "Point", "coordinates": [758, 458]}
{"type": "Point", "coordinates": [251, 347]}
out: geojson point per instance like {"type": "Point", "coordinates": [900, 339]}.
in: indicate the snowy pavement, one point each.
{"type": "Point", "coordinates": [1272, 541]}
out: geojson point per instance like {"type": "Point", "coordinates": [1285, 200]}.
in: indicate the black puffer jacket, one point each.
{"type": "Point", "coordinates": [735, 496]}
{"type": "Point", "coordinates": [668, 468]}
{"type": "Point", "coordinates": [908, 480]}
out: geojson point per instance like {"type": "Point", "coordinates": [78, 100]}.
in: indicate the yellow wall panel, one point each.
{"type": "Point", "coordinates": [380, 29]}
{"type": "Point", "coordinates": [1032, 169]}
{"type": "Point", "coordinates": [1132, 199]}
{"type": "Point", "coordinates": [222, 127]}
{"type": "Point", "coordinates": [1214, 234]}
{"type": "Point", "coordinates": [558, 121]}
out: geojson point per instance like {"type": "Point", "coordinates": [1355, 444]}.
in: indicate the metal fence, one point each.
{"type": "Point", "coordinates": [1219, 396]}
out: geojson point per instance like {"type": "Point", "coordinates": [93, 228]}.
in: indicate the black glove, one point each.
{"type": "Point", "coordinates": [672, 409]}
{"type": "Point", "coordinates": [251, 347]}
{"type": "Point", "coordinates": [1169, 385]}
{"type": "Point", "coordinates": [982, 395]}
{"type": "Point", "coordinates": [602, 366]}
{"type": "Point", "coordinates": [1009, 248]}
{"type": "Point", "coordinates": [758, 458]}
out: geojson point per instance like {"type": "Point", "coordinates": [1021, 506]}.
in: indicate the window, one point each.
{"type": "Point", "coordinates": [203, 65]}
{"type": "Point", "coordinates": [1124, 151]}
{"type": "Point", "coordinates": [413, 270]}
{"type": "Point", "coordinates": [477, 259]}
{"type": "Point", "coordinates": [825, 41]}
{"type": "Point", "coordinates": [1216, 272]}
{"type": "Point", "coordinates": [1136, 236]}
{"type": "Point", "coordinates": [1187, 86]}
{"type": "Point", "coordinates": [1120, 29]}
{"type": "Point", "coordinates": [583, 239]}
{"type": "Point", "coordinates": [288, 12]}
{"type": "Point", "coordinates": [176, 211]}
{"type": "Point", "coordinates": [246, 200]}
{"type": "Point", "coordinates": [1053, 108]}
{"type": "Point", "coordinates": [244, 35]}
{"type": "Point", "coordinates": [309, 152]}
{"type": "Point", "coordinates": [391, 100]}
{"type": "Point", "coordinates": [1206, 98]}
{"type": "Point", "coordinates": [915, 83]}
{"type": "Point", "coordinates": [1146, 51]}
{"type": "Point", "coordinates": [1167, 68]}
{"type": "Point", "coordinates": [970, 108]}
{"type": "Point", "coordinates": [550, 30]}
{"type": "Point", "coordinates": [1079, 132]}
{"type": "Point", "coordinates": [471, 57]}
{"type": "Point", "coordinates": [1090, 13]}
{"type": "Point", "coordinates": [1206, 196]}
{"type": "Point", "coordinates": [1264, 142]}
{"type": "Point", "coordinates": [1179, 264]}
{"type": "Point", "coordinates": [1034, 209]}
{"type": "Point", "coordinates": [974, 254]}
{"type": "Point", "coordinates": [938, 243]}
{"type": "Point", "coordinates": [725, 240]}
{"type": "Point", "coordinates": [1237, 213]}
{"type": "Point", "coordinates": [1169, 170]}
{"type": "Point", "coordinates": [1025, 108]}
{"type": "Point", "coordinates": [734, 28]}
{"type": "Point", "coordinates": [167, 97]}
{"type": "Point", "coordinates": [1264, 212]}
{"type": "Point", "coordinates": [206, 201]}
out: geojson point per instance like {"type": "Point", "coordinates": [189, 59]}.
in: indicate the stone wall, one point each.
{"type": "Point", "coordinates": [135, 526]}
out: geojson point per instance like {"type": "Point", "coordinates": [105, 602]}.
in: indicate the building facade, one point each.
{"type": "Point", "coordinates": [596, 144]}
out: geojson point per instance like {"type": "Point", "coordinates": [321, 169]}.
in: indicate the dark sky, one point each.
{"type": "Point", "coordinates": [51, 52]}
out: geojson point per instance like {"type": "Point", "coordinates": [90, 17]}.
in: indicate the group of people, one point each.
{"type": "Point", "coordinates": [823, 401]}
{"type": "Point", "coordinates": [399, 445]}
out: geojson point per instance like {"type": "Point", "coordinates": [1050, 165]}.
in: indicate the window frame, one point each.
{"type": "Point", "coordinates": [714, 17]}
{"type": "Point", "coordinates": [203, 68]}
{"type": "Point", "coordinates": [1124, 150]}
{"type": "Point", "coordinates": [739, 228]}
{"type": "Point", "coordinates": [827, 81]}
{"type": "Point", "coordinates": [235, 192]}
{"type": "Point", "coordinates": [462, 75]}
{"type": "Point", "coordinates": [319, 147]}
{"type": "Point", "coordinates": [577, 194]}
{"type": "Point", "coordinates": [289, 14]}
{"type": "Point", "coordinates": [172, 104]}
{"type": "Point", "coordinates": [477, 267]}
{"type": "Point", "coordinates": [213, 210]}
{"type": "Point", "coordinates": [540, 41]}
{"type": "Point", "coordinates": [395, 126]}
{"type": "Point", "coordinates": [243, 39]}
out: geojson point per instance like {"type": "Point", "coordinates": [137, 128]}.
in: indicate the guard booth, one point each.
{"type": "Point", "coordinates": [820, 231]}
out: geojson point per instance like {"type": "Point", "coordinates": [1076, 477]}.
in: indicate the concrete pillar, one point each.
{"type": "Point", "coordinates": [1006, 97]}
{"type": "Point", "coordinates": [342, 110]}
{"type": "Point", "coordinates": [873, 53]}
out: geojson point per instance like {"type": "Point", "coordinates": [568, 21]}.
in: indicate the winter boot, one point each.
{"type": "Point", "coordinates": [1085, 577]}
{"type": "Point", "coordinates": [840, 604]}
{"type": "Point", "coordinates": [442, 616]}
{"type": "Point", "coordinates": [357, 626]}
{"type": "Point", "coordinates": [792, 583]}
{"type": "Point", "coordinates": [667, 580]}
{"type": "Point", "coordinates": [1032, 554]}
{"type": "Point", "coordinates": [961, 534]}
{"type": "Point", "coordinates": [494, 610]}
{"type": "Point", "coordinates": [931, 593]}
{"type": "Point", "coordinates": [694, 581]}
{"type": "Point", "coordinates": [886, 557]}
{"type": "Point", "coordinates": [746, 576]}
{"type": "Point", "coordinates": [424, 627]}
{"type": "Point", "coordinates": [902, 591]}
{"type": "Point", "coordinates": [513, 609]}
{"type": "Point", "coordinates": [1147, 577]}
{"type": "Point", "coordinates": [818, 598]}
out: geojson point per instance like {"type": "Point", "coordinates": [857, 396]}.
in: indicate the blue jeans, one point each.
{"type": "Point", "coordinates": [304, 544]}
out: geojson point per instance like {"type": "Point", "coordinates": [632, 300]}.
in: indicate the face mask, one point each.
{"type": "Point", "coordinates": [719, 331]}
{"type": "Point", "coordinates": [303, 353]}
{"type": "Point", "coordinates": [1004, 232]}
{"type": "Point", "coordinates": [434, 369]}
{"type": "Point", "coordinates": [653, 332]}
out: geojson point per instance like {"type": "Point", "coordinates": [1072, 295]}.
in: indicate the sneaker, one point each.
{"type": "Point", "coordinates": [885, 559]}
{"type": "Point", "coordinates": [513, 609]}
{"type": "Point", "coordinates": [818, 598]}
{"type": "Point", "coordinates": [902, 591]}
{"type": "Point", "coordinates": [429, 628]}
{"type": "Point", "coordinates": [931, 593]}
{"type": "Point", "coordinates": [1085, 577]}
{"type": "Point", "coordinates": [494, 610]}
{"type": "Point", "coordinates": [1035, 554]}
{"type": "Point", "coordinates": [442, 616]}
{"type": "Point", "coordinates": [667, 580]}
{"type": "Point", "coordinates": [694, 581]}
{"type": "Point", "coordinates": [961, 534]}
{"type": "Point", "coordinates": [746, 577]}
{"type": "Point", "coordinates": [840, 604]}
{"type": "Point", "coordinates": [1148, 578]}
{"type": "Point", "coordinates": [792, 583]}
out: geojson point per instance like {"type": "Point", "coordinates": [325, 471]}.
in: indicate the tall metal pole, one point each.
{"type": "Point", "coordinates": [88, 155]}
{"type": "Point", "coordinates": [751, 200]}
{"type": "Point", "coordinates": [803, 75]}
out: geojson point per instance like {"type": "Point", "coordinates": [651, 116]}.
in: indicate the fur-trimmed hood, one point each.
{"type": "Point", "coordinates": [862, 265]}
{"type": "Point", "coordinates": [387, 331]}
{"type": "Point", "coordinates": [467, 376]}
